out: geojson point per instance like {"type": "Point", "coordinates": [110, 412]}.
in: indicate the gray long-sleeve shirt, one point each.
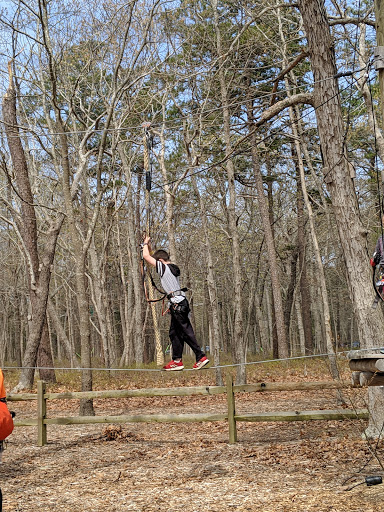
{"type": "Point", "coordinates": [170, 281]}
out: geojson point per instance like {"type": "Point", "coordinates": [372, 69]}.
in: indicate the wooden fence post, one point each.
{"type": "Point", "coordinates": [41, 414]}
{"type": "Point", "coordinates": [231, 410]}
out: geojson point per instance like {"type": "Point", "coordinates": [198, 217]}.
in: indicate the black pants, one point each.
{"type": "Point", "coordinates": [181, 331]}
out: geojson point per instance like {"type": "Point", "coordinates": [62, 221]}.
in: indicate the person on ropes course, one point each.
{"type": "Point", "coordinates": [377, 260]}
{"type": "Point", "coordinates": [180, 330]}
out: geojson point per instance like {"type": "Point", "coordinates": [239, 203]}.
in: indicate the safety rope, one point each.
{"type": "Point", "coordinates": [147, 143]}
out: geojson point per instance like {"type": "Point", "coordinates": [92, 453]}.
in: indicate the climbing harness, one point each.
{"type": "Point", "coordinates": [163, 294]}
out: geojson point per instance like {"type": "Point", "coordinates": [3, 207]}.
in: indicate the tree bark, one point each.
{"type": "Point", "coordinates": [61, 334]}
{"type": "Point", "coordinates": [317, 254]}
{"type": "Point", "coordinates": [283, 350]}
{"type": "Point", "coordinates": [305, 303]}
{"type": "Point", "coordinates": [340, 184]}
{"type": "Point", "coordinates": [211, 284]}
{"type": "Point", "coordinates": [38, 267]}
{"type": "Point", "coordinates": [79, 252]}
{"type": "Point", "coordinates": [336, 168]}
{"type": "Point", "coordinates": [241, 349]}
{"type": "Point", "coordinates": [288, 307]}
{"type": "Point", "coordinates": [45, 356]}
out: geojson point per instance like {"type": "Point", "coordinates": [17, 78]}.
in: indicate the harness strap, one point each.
{"type": "Point", "coordinates": [4, 400]}
{"type": "Point", "coordinates": [169, 296]}
{"type": "Point", "coordinates": [143, 275]}
{"type": "Point", "coordinates": [175, 294]}
{"type": "Point", "coordinates": [163, 294]}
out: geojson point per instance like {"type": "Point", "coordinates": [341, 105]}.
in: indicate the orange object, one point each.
{"type": "Point", "coordinates": [6, 421]}
{"type": "Point", "coordinates": [2, 388]}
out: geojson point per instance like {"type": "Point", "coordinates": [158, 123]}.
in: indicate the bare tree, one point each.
{"type": "Point", "coordinates": [339, 181]}
{"type": "Point", "coordinates": [39, 266]}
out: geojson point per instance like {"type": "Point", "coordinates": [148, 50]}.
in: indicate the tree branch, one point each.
{"type": "Point", "coordinates": [273, 110]}
{"type": "Point", "coordinates": [282, 73]}
{"type": "Point", "coordinates": [350, 21]}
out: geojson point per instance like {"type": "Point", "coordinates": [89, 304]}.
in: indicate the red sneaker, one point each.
{"type": "Point", "coordinates": [200, 363]}
{"type": "Point", "coordinates": [173, 365]}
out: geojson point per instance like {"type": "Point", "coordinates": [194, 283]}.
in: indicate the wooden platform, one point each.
{"type": "Point", "coordinates": [367, 368]}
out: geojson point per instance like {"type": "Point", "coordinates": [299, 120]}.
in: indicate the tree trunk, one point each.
{"type": "Point", "coordinates": [241, 349]}
{"type": "Point", "coordinates": [336, 169]}
{"type": "Point", "coordinates": [300, 326]}
{"type": "Point", "coordinates": [79, 254]}
{"type": "Point", "coordinates": [44, 356]}
{"type": "Point", "coordinates": [101, 303]}
{"type": "Point", "coordinates": [269, 202]}
{"type": "Point", "coordinates": [38, 267]}
{"type": "Point", "coordinates": [305, 302]}
{"type": "Point", "coordinates": [291, 290]}
{"type": "Point", "coordinates": [210, 274]}
{"type": "Point", "coordinates": [340, 184]}
{"type": "Point", "coordinates": [133, 337]}
{"type": "Point", "coordinates": [61, 334]}
{"type": "Point", "coordinates": [317, 254]}
{"type": "Point", "coordinates": [211, 283]}
{"type": "Point", "coordinates": [272, 258]}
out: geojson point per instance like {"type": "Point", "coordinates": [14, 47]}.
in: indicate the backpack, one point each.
{"type": "Point", "coordinates": [6, 420]}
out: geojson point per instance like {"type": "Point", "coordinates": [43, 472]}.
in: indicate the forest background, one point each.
{"type": "Point", "coordinates": [241, 181]}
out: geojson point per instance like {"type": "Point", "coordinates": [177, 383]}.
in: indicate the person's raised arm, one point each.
{"type": "Point", "coordinates": [146, 253]}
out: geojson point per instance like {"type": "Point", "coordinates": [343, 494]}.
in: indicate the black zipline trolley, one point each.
{"type": "Point", "coordinates": [367, 368]}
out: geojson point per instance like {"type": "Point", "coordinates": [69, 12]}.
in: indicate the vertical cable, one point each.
{"type": "Point", "coordinates": [147, 169]}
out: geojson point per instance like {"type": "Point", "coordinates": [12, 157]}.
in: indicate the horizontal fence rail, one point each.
{"type": "Point", "coordinates": [42, 421]}
{"type": "Point", "coordinates": [305, 415]}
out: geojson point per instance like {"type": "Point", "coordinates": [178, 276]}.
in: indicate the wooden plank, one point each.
{"type": "Point", "coordinates": [185, 391]}
{"type": "Point", "coordinates": [363, 365]}
{"type": "Point", "coordinates": [179, 418]}
{"type": "Point", "coordinates": [231, 410]}
{"type": "Point", "coordinates": [21, 397]}
{"type": "Point", "coordinates": [199, 390]}
{"type": "Point", "coordinates": [142, 418]}
{"type": "Point", "coordinates": [26, 422]}
{"type": "Point", "coordinates": [365, 355]}
{"type": "Point", "coordinates": [131, 393]}
{"type": "Point", "coordinates": [304, 415]}
{"type": "Point", "coordinates": [291, 386]}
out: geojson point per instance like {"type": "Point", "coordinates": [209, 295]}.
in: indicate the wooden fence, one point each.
{"type": "Point", "coordinates": [42, 421]}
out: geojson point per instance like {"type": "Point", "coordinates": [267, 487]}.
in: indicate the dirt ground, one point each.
{"type": "Point", "coordinates": [284, 466]}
